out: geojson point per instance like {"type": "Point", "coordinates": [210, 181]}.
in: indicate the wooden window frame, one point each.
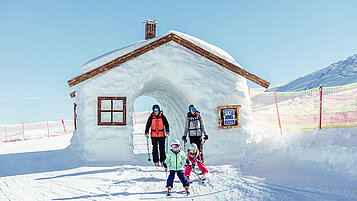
{"type": "Point", "coordinates": [220, 116]}
{"type": "Point", "coordinates": [111, 123]}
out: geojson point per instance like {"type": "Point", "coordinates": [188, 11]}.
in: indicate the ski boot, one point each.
{"type": "Point", "coordinates": [157, 164]}
{"type": "Point", "coordinates": [187, 190]}
{"type": "Point", "coordinates": [169, 189]}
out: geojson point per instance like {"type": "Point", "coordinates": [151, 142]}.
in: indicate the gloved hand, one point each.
{"type": "Point", "coordinates": [189, 163]}
{"type": "Point", "coordinates": [165, 166]}
{"type": "Point", "coordinates": [167, 134]}
{"type": "Point", "coordinates": [184, 139]}
{"type": "Point", "coordinates": [205, 137]}
{"type": "Point", "coordinates": [147, 135]}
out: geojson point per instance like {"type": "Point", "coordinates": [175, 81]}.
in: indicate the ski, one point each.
{"type": "Point", "coordinates": [186, 192]}
{"type": "Point", "coordinates": [200, 176]}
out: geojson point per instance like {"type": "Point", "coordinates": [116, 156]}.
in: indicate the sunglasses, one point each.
{"type": "Point", "coordinates": [175, 146]}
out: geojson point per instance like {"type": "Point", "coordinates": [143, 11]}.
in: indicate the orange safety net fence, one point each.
{"type": "Point", "coordinates": [323, 107]}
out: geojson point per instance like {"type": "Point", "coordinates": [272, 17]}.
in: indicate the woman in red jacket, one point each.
{"type": "Point", "coordinates": [159, 126]}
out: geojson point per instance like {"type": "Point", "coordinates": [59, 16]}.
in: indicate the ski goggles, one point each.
{"type": "Point", "coordinates": [193, 151]}
{"type": "Point", "coordinates": [175, 146]}
{"type": "Point", "coordinates": [156, 109]}
{"type": "Point", "coordinates": [192, 109]}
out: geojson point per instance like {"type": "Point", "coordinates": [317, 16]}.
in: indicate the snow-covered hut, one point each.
{"type": "Point", "coordinates": [177, 70]}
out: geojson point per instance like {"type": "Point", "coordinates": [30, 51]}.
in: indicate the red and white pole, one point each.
{"type": "Point", "coordinates": [5, 134]}
{"type": "Point", "coordinates": [277, 111]}
{"type": "Point", "coordinates": [23, 131]}
{"type": "Point", "coordinates": [64, 127]}
{"type": "Point", "coordinates": [48, 130]}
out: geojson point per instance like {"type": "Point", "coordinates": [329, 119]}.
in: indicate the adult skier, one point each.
{"type": "Point", "coordinates": [193, 155]}
{"type": "Point", "coordinates": [175, 161]}
{"type": "Point", "coordinates": [195, 129]}
{"type": "Point", "coordinates": [159, 126]}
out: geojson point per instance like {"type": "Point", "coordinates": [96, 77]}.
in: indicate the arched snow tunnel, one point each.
{"type": "Point", "coordinates": [174, 105]}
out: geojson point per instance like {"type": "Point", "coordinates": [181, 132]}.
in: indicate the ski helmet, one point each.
{"type": "Point", "coordinates": [155, 108]}
{"type": "Point", "coordinates": [175, 142]}
{"type": "Point", "coordinates": [192, 108]}
{"type": "Point", "coordinates": [192, 149]}
{"type": "Point", "coordinates": [192, 146]}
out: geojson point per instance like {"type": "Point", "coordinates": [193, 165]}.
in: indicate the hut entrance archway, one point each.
{"type": "Point", "coordinates": [172, 102]}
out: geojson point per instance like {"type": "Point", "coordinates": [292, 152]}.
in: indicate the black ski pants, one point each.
{"type": "Point", "coordinates": [198, 141]}
{"type": "Point", "coordinates": [158, 143]}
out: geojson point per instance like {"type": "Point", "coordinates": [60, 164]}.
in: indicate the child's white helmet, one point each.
{"type": "Point", "coordinates": [176, 142]}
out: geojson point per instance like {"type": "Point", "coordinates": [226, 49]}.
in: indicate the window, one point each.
{"type": "Point", "coordinates": [228, 116]}
{"type": "Point", "coordinates": [112, 111]}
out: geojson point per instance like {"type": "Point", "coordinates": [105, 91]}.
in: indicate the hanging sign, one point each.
{"type": "Point", "coordinates": [229, 117]}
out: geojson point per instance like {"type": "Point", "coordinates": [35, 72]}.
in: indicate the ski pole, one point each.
{"type": "Point", "coordinates": [167, 144]}
{"type": "Point", "coordinates": [147, 143]}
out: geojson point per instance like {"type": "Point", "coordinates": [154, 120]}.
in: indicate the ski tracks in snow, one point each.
{"type": "Point", "coordinates": [148, 183]}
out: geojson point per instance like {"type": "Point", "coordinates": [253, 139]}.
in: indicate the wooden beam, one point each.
{"type": "Point", "coordinates": [73, 94]}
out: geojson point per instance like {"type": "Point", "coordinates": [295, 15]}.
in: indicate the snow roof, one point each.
{"type": "Point", "coordinates": [115, 58]}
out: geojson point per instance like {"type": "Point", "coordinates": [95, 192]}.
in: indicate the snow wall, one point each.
{"type": "Point", "coordinates": [176, 78]}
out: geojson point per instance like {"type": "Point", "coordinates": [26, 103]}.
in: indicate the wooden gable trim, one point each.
{"type": "Point", "coordinates": [170, 37]}
{"type": "Point", "coordinates": [73, 94]}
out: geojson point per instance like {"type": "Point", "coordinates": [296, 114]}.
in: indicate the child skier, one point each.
{"type": "Point", "coordinates": [193, 155]}
{"type": "Point", "coordinates": [175, 160]}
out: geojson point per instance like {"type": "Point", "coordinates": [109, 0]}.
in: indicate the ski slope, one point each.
{"type": "Point", "coordinates": [44, 169]}
{"type": "Point", "coordinates": [128, 182]}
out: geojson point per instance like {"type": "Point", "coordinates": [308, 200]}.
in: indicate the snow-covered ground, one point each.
{"type": "Point", "coordinates": [300, 165]}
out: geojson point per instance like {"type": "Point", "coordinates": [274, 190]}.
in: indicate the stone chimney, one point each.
{"type": "Point", "coordinates": [150, 28]}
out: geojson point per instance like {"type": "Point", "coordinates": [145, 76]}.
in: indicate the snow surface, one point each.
{"type": "Point", "coordinates": [300, 165]}
{"type": "Point", "coordinates": [339, 73]}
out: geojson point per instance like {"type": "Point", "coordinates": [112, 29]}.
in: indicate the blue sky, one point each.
{"type": "Point", "coordinates": [44, 43]}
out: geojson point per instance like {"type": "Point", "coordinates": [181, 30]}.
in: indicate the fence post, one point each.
{"type": "Point", "coordinates": [277, 111]}
{"type": "Point", "coordinates": [5, 134]}
{"type": "Point", "coordinates": [23, 131]}
{"type": "Point", "coordinates": [64, 127]}
{"type": "Point", "coordinates": [320, 124]}
{"type": "Point", "coordinates": [48, 130]}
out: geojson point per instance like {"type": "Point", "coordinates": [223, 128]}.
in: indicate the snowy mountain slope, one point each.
{"type": "Point", "coordinates": [339, 73]}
